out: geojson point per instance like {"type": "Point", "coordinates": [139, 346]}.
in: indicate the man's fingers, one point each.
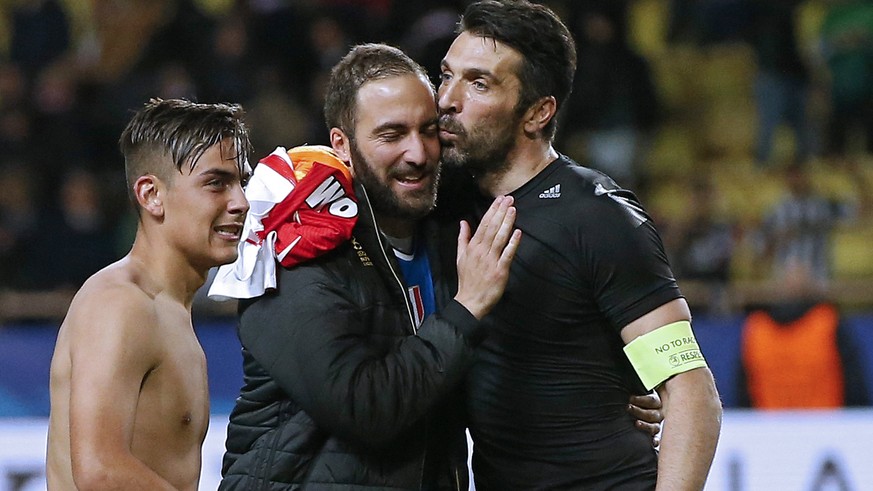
{"type": "Point", "coordinates": [646, 401]}
{"type": "Point", "coordinates": [488, 217]}
{"type": "Point", "coordinates": [484, 257]}
{"type": "Point", "coordinates": [509, 251]}
{"type": "Point", "coordinates": [494, 230]}
{"type": "Point", "coordinates": [652, 416]}
{"type": "Point", "coordinates": [493, 219]}
{"type": "Point", "coordinates": [504, 229]}
{"type": "Point", "coordinates": [464, 235]}
{"type": "Point", "coordinates": [647, 420]}
{"type": "Point", "coordinates": [648, 428]}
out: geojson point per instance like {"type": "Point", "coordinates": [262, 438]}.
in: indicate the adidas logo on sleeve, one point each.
{"type": "Point", "coordinates": [552, 192]}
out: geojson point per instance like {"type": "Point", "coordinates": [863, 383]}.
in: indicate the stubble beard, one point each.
{"type": "Point", "coordinates": [482, 151]}
{"type": "Point", "coordinates": [384, 200]}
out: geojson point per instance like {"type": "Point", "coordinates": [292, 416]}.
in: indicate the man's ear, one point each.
{"type": "Point", "coordinates": [341, 144]}
{"type": "Point", "coordinates": [149, 192]}
{"type": "Point", "coordinates": [539, 114]}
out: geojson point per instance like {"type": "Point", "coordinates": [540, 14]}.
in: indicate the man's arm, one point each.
{"type": "Point", "coordinates": [692, 410]}
{"type": "Point", "coordinates": [111, 352]}
{"type": "Point", "coordinates": [313, 341]}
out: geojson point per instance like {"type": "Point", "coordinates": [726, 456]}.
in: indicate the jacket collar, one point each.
{"type": "Point", "coordinates": [366, 230]}
{"type": "Point", "coordinates": [441, 240]}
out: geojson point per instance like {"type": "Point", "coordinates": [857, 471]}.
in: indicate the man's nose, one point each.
{"type": "Point", "coordinates": [448, 97]}
{"type": "Point", "coordinates": [238, 204]}
{"type": "Point", "coordinates": [416, 150]}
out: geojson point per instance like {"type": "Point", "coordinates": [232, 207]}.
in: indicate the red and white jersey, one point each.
{"type": "Point", "coordinates": [302, 204]}
{"type": "Point", "coordinates": [320, 211]}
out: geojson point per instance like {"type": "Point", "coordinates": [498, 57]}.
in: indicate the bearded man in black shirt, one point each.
{"type": "Point", "coordinates": [591, 312]}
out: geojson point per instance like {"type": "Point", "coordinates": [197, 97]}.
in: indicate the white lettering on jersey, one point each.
{"type": "Point", "coordinates": [331, 191]}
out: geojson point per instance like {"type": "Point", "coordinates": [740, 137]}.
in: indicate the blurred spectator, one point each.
{"type": "Point", "coordinates": [75, 238]}
{"type": "Point", "coordinates": [707, 22]}
{"type": "Point", "coordinates": [363, 20]}
{"type": "Point", "coordinates": [796, 353]}
{"type": "Point", "coordinates": [174, 81]}
{"type": "Point", "coordinates": [18, 223]}
{"type": "Point", "coordinates": [13, 86]}
{"type": "Point", "coordinates": [782, 82]}
{"type": "Point", "coordinates": [847, 48]}
{"type": "Point", "coordinates": [175, 57]}
{"type": "Point", "coordinates": [329, 41]}
{"type": "Point", "coordinates": [115, 40]}
{"type": "Point", "coordinates": [278, 34]}
{"type": "Point", "coordinates": [59, 137]}
{"type": "Point", "coordinates": [16, 123]}
{"type": "Point", "coordinates": [118, 34]}
{"type": "Point", "coordinates": [65, 90]}
{"type": "Point", "coordinates": [276, 117]}
{"type": "Point", "coordinates": [430, 32]}
{"type": "Point", "coordinates": [40, 34]}
{"type": "Point", "coordinates": [182, 36]}
{"type": "Point", "coordinates": [229, 72]}
{"type": "Point", "coordinates": [613, 106]}
{"type": "Point", "coordinates": [798, 229]}
{"type": "Point", "coordinates": [702, 247]}
{"type": "Point", "coordinates": [16, 132]}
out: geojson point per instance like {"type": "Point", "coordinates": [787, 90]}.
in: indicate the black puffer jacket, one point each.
{"type": "Point", "coordinates": [341, 391]}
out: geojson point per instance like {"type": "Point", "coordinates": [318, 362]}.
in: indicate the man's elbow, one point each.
{"type": "Point", "coordinates": [709, 396]}
{"type": "Point", "coordinates": [104, 470]}
{"type": "Point", "coordinates": [92, 474]}
{"type": "Point", "coordinates": [696, 388]}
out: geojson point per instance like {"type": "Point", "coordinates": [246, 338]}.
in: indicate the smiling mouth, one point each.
{"type": "Point", "coordinates": [411, 180]}
{"type": "Point", "coordinates": [230, 232]}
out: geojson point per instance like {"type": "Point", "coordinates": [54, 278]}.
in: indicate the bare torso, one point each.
{"type": "Point", "coordinates": [167, 384]}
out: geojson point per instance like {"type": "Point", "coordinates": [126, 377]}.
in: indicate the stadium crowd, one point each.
{"type": "Point", "coordinates": [745, 127]}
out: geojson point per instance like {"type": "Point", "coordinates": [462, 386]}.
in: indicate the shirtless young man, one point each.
{"type": "Point", "coordinates": [129, 396]}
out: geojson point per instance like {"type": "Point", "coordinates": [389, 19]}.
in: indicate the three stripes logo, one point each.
{"type": "Point", "coordinates": [552, 192]}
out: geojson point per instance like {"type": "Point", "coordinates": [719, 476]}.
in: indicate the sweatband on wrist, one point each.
{"type": "Point", "coordinates": [664, 352]}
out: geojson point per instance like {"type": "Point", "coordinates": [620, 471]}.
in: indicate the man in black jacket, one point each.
{"type": "Point", "coordinates": [350, 363]}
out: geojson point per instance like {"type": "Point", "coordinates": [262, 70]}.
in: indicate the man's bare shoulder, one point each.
{"type": "Point", "coordinates": [117, 296]}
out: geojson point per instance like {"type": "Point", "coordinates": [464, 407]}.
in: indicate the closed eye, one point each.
{"type": "Point", "coordinates": [389, 137]}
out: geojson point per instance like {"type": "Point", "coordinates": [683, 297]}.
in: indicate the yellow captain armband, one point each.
{"type": "Point", "coordinates": [664, 352]}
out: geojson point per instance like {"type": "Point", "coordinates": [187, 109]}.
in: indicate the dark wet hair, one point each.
{"type": "Point", "coordinates": [167, 135]}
